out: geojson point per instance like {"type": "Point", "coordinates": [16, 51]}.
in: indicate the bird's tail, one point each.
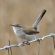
{"type": "Point", "coordinates": [38, 19]}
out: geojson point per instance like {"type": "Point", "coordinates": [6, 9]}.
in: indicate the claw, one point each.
{"type": "Point", "coordinates": [26, 43]}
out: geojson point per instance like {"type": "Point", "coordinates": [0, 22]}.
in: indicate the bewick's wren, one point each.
{"type": "Point", "coordinates": [26, 33]}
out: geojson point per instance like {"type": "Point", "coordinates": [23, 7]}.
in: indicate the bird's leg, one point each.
{"type": "Point", "coordinates": [53, 41]}
{"type": "Point", "coordinates": [26, 42]}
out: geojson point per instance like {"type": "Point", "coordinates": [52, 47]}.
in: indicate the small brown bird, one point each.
{"type": "Point", "coordinates": [25, 33]}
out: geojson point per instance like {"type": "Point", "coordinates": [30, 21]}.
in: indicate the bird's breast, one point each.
{"type": "Point", "coordinates": [18, 32]}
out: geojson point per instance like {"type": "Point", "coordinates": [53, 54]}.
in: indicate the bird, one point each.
{"type": "Point", "coordinates": [28, 34]}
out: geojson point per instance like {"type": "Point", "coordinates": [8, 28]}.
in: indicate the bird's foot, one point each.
{"type": "Point", "coordinates": [26, 43]}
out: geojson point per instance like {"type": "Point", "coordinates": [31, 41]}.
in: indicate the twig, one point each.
{"type": "Point", "coordinates": [39, 47]}
{"type": "Point", "coordinates": [21, 44]}
{"type": "Point", "coordinates": [10, 48]}
{"type": "Point", "coordinates": [8, 51]}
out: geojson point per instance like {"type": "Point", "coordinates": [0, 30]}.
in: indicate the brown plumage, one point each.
{"type": "Point", "coordinates": [31, 32]}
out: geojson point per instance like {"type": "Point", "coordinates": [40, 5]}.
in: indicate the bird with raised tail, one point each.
{"type": "Point", "coordinates": [28, 34]}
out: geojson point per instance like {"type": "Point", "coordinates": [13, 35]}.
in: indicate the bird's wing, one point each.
{"type": "Point", "coordinates": [32, 37]}
{"type": "Point", "coordinates": [38, 19]}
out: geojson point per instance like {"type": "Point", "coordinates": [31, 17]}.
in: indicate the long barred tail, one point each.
{"type": "Point", "coordinates": [38, 19]}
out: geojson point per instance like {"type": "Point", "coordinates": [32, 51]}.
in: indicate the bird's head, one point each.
{"type": "Point", "coordinates": [18, 29]}
{"type": "Point", "coordinates": [16, 26]}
